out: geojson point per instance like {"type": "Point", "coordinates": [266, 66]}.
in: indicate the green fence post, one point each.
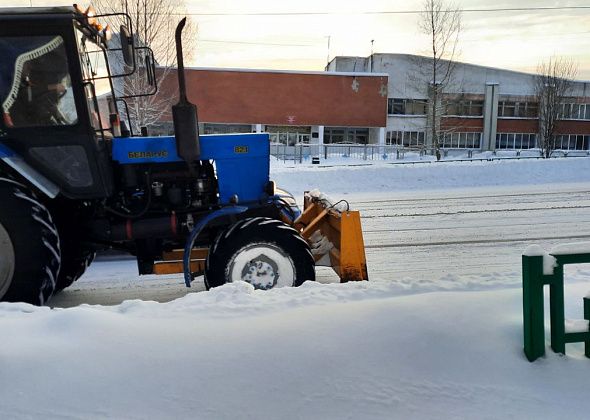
{"type": "Point", "coordinates": [556, 303]}
{"type": "Point", "coordinates": [587, 317]}
{"type": "Point", "coordinates": [533, 313]}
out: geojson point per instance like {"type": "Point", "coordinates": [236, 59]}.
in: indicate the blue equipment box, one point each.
{"type": "Point", "coordinates": [241, 160]}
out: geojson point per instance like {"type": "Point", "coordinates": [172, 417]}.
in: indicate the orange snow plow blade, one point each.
{"type": "Point", "coordinates": [335, 236]}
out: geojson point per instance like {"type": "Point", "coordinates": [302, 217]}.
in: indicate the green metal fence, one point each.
{"type": "Point", "coordinates": [533, 281]}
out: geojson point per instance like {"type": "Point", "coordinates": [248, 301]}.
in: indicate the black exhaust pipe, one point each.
{"type": "Point", "coordinates": [184, 113]}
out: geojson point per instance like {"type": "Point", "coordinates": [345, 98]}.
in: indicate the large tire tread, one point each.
{"type": "Point", "coordinates": [73, 267]}
{"type": "Point", "coordinates": [76, 254]}
{"type": "Point", "coordinates": [258, 229]}
{"type": "Point", "coordinates": [36, 244]}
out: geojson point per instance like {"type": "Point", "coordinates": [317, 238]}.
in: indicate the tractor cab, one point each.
{"type": "Point", "coordinates": [50, 77]}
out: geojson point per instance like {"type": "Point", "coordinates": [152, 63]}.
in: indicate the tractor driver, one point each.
{"type": "Point", "coordinates": [34, 82]}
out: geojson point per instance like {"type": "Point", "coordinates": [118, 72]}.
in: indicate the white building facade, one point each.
{"type": "Point", "coordinates": [485, 108]}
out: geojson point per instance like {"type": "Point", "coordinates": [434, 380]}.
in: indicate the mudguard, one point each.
{"type": "Point", "coordinates": [17, 163]}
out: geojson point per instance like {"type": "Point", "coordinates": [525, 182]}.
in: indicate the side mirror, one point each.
{"type": "Point", "coordinates": [126, 46]}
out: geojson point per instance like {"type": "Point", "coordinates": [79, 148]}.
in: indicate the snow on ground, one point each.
{"type": "Point", "coordinates": [394, 178]}
{"type": "Point", "coordinates": [428, 337]}
{"type": "Point", "coordinates": [356, 351]}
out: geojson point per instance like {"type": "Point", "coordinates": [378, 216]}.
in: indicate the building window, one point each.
{"type": "Point", "coordinates": [518, 109]}
{"type": "Point", "coordinates": [574, 111]}
{"type": "Point", "coordinates": [211, 128]}
{"type": "Point", "coordinates": [346, 135]}
{"type": "Point", "coordinates": [161, 129]}
{"type": "Point", "coordinates": [288, 139]}
{"type": "Point", "coordinates": [288, 135]}
{"type": "Point", "coordinates": [515, 141]}
{"type": "Point", "coordinates": [531, 110]}
{"type": "Point", "coordinates": [334, 135]}
{"type": "Point", "coordinates": [464, 108]}
{"type": "Point", "coordinates": [506, 109]}
{"type": "Point", "coordinates": [357, 135]}
{"type": "Point", "coordinates": [405, 138]}
{"type": "Point", "coordinates": [461, 141]}
{"type": "Point", "coordinates": [398, 106]}
{"type": "Point", "coordinates": [572, 142]}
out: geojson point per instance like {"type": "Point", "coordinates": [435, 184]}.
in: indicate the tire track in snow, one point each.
{"type": "Point", "coordinates": [487, 241]}
{"type": "Point", "coordinates": [452, 213]}
{"type": "Point", "coordinates": [581, 193]}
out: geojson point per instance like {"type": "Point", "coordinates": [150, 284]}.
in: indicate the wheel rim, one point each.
{"type": "Point", "coordinates": [7, 262]}
{"type": "Point", "coordinates": [263, 265]}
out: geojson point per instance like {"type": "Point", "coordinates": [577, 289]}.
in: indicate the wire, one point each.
{"type": "Point", "coordinates": [392, 12]}
{"type": "Point", "coordinates": [253, 43]}
{"type": "Point", "coordinates": [383, 12]}
{"type": "Point", "coordinates": [333, 206]}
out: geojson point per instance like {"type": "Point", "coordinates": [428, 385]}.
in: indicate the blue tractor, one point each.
{"type": "Point", "coordinates": [72, 184]}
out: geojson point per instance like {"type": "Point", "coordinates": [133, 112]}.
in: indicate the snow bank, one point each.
{"type": "Point", "coordinates": [315, 352]}
{"type": "Point", "coordinates": [383, 177]}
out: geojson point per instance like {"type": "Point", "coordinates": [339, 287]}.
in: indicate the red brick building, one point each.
{"type": "Point", "coordinates": [293, 106]}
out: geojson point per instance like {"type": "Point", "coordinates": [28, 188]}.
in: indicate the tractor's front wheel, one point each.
{"type": "Point", "coordinates": [264, 252]}
{"type": "Point", "coordinates": [30, 254]}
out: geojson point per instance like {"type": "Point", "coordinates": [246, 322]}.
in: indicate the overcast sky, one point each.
{"type": "Point", "coordinates": [514, 40]}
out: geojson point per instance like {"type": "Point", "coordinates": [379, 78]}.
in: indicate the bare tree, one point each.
{"type": "Point", "coordinates": [154, 23]}
{"type": "Point", "coordinates": [552, 85]}
{"type": "Point", "coordinates": [441, 22]}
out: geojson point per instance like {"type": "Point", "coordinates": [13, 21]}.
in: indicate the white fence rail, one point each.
{"type": "Point", "coordinates": [303, 153]}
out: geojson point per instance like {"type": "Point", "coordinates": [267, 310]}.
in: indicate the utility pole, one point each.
{"type": "Point", "coordinates": [328, 57]}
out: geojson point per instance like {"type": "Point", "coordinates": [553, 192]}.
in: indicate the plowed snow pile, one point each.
{"type": "Point", "coordinates": [383, 177]}
{"type": "Point", "coordinates": [358, 351]}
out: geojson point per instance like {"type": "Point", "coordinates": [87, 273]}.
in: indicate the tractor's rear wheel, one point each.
{"type": "Point", "coordinates": [30, 254]}
{"type": "Point", "coordinates": [74, 265]}
{"type": "Point", "coordinates": [7, 260]}
{"type": "Point", "coordinates": [76, 255]}
{"type": "Point", "coordinates": [264, 252]}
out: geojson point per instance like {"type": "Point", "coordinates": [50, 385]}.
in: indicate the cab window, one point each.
{"type": "Point", "coordinates": [35, 84]}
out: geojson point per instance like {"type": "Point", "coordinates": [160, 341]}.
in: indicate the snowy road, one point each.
{"type": "Point", "coordinates": [460, 235]}
{"type": "Point", "coordinates": [438, 240]}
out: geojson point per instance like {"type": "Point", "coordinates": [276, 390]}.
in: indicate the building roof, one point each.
{"type": "Point", "coordinates": [415, 56]}
{"type": "Point", "coordinates": [325, 73]}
